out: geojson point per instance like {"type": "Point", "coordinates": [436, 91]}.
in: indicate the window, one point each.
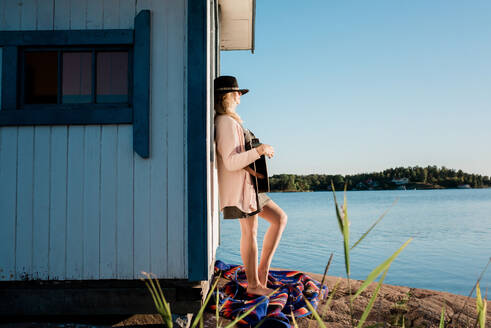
{"type": "Point", "coordinates": [78, 77]}
{"type": "Point", "coordinates": [74, 76]}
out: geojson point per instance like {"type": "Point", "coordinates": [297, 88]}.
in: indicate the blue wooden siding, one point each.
{"type": "Point", "coordinates": [76, 202]}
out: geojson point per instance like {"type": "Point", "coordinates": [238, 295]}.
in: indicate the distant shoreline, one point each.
{"type": "Point", "coordinates": [400, 178]}
{"type": "Point", "coordinates": [407, 189]}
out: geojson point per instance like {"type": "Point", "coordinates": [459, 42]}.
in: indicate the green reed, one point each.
{"type": "Point", "coordinates": [163, 307]}
{"type": "Point", "coordinates": [382, 269]}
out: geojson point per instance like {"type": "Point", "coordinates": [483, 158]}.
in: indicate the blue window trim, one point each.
{"type": "Point", "coordinates": [66, 37]}
{"type": "Point", "coordinates": [196, 142]}
{"type": "Point", "coordinates": [137, 113]}
{"type": "Point", "coordinates": [141, 85]}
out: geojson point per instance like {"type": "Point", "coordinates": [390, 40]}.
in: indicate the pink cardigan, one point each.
{"type": "Point", "coordinates": [234, 183]}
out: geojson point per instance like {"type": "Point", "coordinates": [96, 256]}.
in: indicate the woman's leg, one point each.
{"type": "Point", "coordinates": [277, 219]}
{"type": "Point", "coordinates": [248, 251]}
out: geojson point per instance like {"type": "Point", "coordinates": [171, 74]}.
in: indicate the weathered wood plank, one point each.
{"type": "Point", "coordinates": [12, 16]}
{"type": "Point", "coordinates": [76, 158]}
{"type": "Point", "coordinates": [28, 14]}
{"type": "Point", "coordinates": [25, 170]}
{"type": "Point", "coordinates": [109, 172]}
{"type": "Point", "coordinates": [92, 202]}
{"type": "Point", "coordinates": [59, 174]}
{"type": "Point", "coordinates": [75, 192]}
{"type": "Point", "coordinates": [176, 234]}
{"type": "Point", "coordinates": [158, 137]}
{"type": "Point", "coordinates": [41, 161]}
{"type": "Point", "coordinates": [25, 18]}
{"type": "Point", "coordinates": [45, 15]}
{"type": "Point", "coordinates": [62, 14]}
{"type": "Point", "coordinates": [94, 14]}
{"type": "Point", "coordinates": [111, 14]}
{"type": "Point", "coordinates": [78, 14]}
{"type": "Point", "coordinates": [127, 13]}
{"type": "Point", "coordinates": [8, 177]}
{"type": "Point", "coordinates": [142, 196]}
{"type": "Point", "coordinates": [142, 215]}
{"type": "Point", "coordinates": [124, 229]}
{"type": "Point", "coordinates": [125, 160]}
{"type": "Point", "coordinates": [41, 213]}
{"type": "Point", "coordinates": [58, 202]}
{"type": "Point", "coordinates": [92, 167]}
{"type": "Point", "coordinates": [108, 201]}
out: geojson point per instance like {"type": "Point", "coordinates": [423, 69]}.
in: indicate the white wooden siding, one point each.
{"type": "Point", "coordinates": [76, 202]}
{"type": "Point", "coordinates": [212, 180]}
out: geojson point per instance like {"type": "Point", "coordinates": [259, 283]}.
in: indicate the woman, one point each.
{"type": "Point", "coordinates": [238, 198]}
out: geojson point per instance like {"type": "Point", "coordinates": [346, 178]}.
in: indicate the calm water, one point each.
{"type": "Point", "coordinates": [451, 230]}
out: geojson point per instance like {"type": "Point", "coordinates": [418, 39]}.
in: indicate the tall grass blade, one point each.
{"type": "Point", "coordinates": [154, 289]}
{"type": "Point", "coordinates": [326, 270]}
{"type": "Point", "coordinates": [346, 232]}
{"type": "Point", "coordinates": [442, 318]}
{"type": "Point", "coordinates": [481, 307]}
{"type": "Point", "coordinates": [164, 301]}
{"type": "Point", "coordinates": [374, 224]}
{"type": "Point", "coordinates": [316, 315]}
{"type": "Point", "coordinates": [203, 307]}
{"type": "Point", "coordinates": [329, 300]}
{"type": "Point", "coordinates": [338, 213]}
{"type": "Point", "coordinates": [154, 297]}
{"type": "Point", "coordinates": [243, 315]}
{"type": "Point", "coordinates": [343, 223]}
{"type": "Point", "coordinates": [163, 308]}
{"type": "Point", "coordinates": [378, 270]}
{"type": "Point", "coordinates": [369, 306]}
{"type": "Point", "coordinates": [458, 313]}
{"type": "Point", "coordinates": [294, 321]}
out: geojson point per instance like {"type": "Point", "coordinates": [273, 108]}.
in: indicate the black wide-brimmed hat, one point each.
{"type": "Point", "coordinates": [225, 83]}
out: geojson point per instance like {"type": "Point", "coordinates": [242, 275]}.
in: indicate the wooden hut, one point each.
{"type": "Point", "coordinates": [106, 150]}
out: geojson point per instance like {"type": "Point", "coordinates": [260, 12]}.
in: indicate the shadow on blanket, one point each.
{"type": "Point", "coordinates": [294, 287]}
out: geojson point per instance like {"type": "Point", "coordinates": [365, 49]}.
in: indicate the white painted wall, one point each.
{"type": "Point", "coordinates": [75, 201]}
{"type": "Point", "coordinates": [212, 179]}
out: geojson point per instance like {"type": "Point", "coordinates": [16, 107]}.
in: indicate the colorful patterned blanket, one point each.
{"type": "Point", "coordinates": [294, 287]}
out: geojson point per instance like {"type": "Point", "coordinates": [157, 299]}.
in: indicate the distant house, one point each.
{"type": "Point", "coordinates": [361, 185]}
{"type": "Point", "coordinates": [401, 181]}
{"type": "Point", "coordinates": [464, 186]}
{"type": "Point", "coordinates": [107, 158]}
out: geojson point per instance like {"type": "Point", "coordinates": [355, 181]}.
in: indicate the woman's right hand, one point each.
{"type": "Point", "coordinates": [265, 149]}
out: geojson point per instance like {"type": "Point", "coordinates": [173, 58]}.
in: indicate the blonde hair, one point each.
{"type": "Point", "coordinates": [223, 106]}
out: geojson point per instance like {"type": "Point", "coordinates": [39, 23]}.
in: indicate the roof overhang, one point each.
{"type": "Point", "coordinates": [237, 20]}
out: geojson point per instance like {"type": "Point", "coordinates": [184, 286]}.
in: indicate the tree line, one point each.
{"type": "Point", "coordinates": [430, 177]}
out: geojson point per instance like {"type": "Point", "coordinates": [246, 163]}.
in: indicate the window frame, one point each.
{"type": "Point", "coordinates": [13, 112]}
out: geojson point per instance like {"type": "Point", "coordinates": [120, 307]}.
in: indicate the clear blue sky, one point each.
{"type": "Point", "coordinates": [361, 86]}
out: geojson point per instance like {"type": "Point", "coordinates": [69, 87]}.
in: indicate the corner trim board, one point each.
{"type": "Point", "coordinates": [196, 136]}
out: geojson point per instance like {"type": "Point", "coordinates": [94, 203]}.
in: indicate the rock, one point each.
{"type": "Point", "coordinates": [394, 304]}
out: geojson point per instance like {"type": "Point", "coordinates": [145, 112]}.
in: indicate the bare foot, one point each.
{"type": "Point", "coordinates": [259, 290]}
{"type": "Point", "coordinates": [263, 279]}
